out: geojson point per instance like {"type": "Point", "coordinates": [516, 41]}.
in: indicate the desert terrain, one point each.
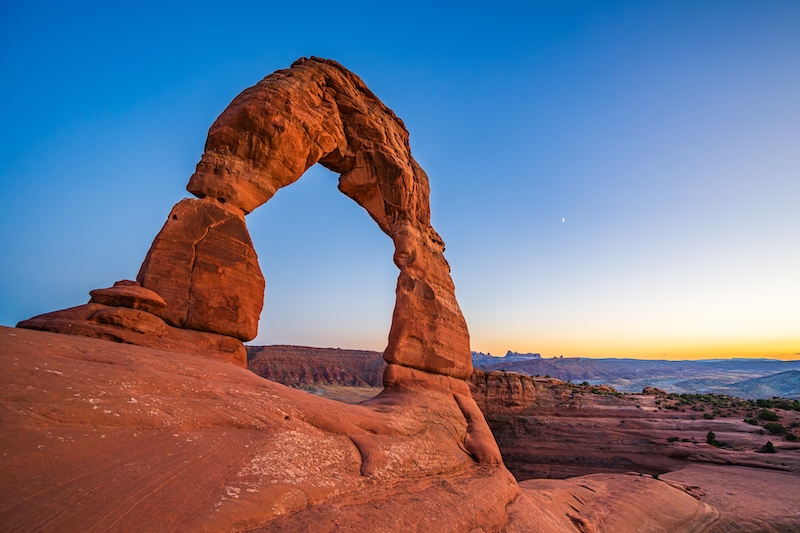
{"type": "Point", "coordinates": [136, 411]}
{"type": "Point", "coordinates": [547, 428]}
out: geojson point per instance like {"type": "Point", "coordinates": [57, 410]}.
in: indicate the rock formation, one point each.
{"type": "Point", "coordinates": [203, 264]}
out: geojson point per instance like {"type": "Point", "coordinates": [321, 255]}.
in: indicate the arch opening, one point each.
{"type": "Point", "coordinates": [328, 280]}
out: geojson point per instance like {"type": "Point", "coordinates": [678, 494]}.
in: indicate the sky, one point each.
{"type": "Point", "coordinates": [612, 179]}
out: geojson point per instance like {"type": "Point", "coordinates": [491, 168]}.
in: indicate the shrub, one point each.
{"type": "Point", "coordinates": [791, 437]}
{"type": "Point", "coordinates": [763, 403]}
{"type": "Point", "coordinates": [767, 448]}
{"type": "Point", "coordinates": [708, 416]}
{"type": "Point", "coordinates": [711, 438]}
{"type": "Point", "coordinates": [672, 439]}
{"type": "Point", "coordinates": [751, 421]}
{"type": "Point", "coordinates": [585, 384]}
{"type": "Point", "coordinates": [784, 404]}
{"type": "Point", "coordinates": [768, 415]}
{"type": "Point", "coordinates": [775, 428]}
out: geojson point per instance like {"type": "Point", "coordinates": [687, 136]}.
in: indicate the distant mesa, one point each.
{"type": "Point", "coordinates": [523, 355]}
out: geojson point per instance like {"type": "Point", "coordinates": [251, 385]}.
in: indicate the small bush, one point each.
{"type": "Point", "coordinates": [585, 384]}
{"type": "Point", "coordinates": [775, 428]}
{"type": "Point", "coordinates": [764, 403]}
{"type": "Point", "coordinates": [711, 438]}
{"type": "Point", "coordinates": [708, 416]}
{"type": "Point", "coordinates": [751, 421]}
{"type": "Point", "coordinates": [767, 448]}
{"type": "Point", "coordinates": [672, 439]}
{"type": "Point", "coordinates": [791, 437]}
{"type": "Point", "coordinates": [768, 415]}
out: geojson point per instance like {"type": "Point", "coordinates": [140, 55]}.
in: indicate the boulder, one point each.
{"type": "Point", "coordinates": [204, 265]}
{"type": "Point", "coordinates": [131, 294]}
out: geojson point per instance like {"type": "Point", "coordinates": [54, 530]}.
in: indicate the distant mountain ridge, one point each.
{"type": "Point", "coordinates": [727, 376]}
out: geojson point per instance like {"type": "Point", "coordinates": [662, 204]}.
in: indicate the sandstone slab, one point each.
{"type": "Point", "coordinates": [129, 294]}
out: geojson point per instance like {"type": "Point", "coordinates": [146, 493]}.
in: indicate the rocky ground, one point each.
{"type": "Point", "coordinates": [106, 436]}
{"type": "Point", "coordinates": [555, 435]}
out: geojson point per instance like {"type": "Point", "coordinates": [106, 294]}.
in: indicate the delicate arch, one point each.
{"type": "Point", "coordinates": [203, 263]}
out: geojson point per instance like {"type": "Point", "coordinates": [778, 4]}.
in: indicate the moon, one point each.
{"type": "Point", "coordinates": [563, 219]}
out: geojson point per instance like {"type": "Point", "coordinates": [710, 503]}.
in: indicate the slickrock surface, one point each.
{"type": "Point", "coordinates": [102, 436]}
{"type": "Point", "coordinates": [609, 503]}
{"type": "Point", "coordinates": [749, 500]}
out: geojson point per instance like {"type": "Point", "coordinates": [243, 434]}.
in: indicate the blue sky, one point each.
{"type": "Point", "coordinates": [667, 134]}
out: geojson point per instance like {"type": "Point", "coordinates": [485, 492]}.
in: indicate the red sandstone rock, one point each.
{"type": "Point", "coordinates": [128, 438]}
{"type": "Point", "coordinates": [606, 504]}
{"type": "Point", "coordinates": [300, 366]}
{"type": "Point", "coordinates": [124, 325]}
{"type": "Point", "coordinates": [114, 437]}
{"type": "Point", "coordinates": [129, 294]}
{"type": "Point", "coordinates": [203, 264]}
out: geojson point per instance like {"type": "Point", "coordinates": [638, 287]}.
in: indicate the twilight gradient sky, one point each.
{"type": "Point", "coordinates": [667, 134]}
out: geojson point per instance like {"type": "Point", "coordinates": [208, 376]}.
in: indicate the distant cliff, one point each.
{"type": "Point", "coordinates": [298, 366]}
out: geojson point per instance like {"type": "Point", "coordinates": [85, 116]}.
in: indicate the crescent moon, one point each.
{"type": "Point", "coordinates": [563, 219]}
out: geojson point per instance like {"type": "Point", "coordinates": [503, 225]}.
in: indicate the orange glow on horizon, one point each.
{"type": "Point", "coordinates": [672, 349]}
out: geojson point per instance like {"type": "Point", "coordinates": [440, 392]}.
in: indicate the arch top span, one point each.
{"type": "Point", "coordinates": [314, 112]}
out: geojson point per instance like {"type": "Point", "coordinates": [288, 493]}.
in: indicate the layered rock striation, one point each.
{"type": "Point", "coordinates": [301, 366]}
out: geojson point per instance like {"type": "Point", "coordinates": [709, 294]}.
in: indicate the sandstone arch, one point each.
{"type": "Point", "coordinates": [202, 262]}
